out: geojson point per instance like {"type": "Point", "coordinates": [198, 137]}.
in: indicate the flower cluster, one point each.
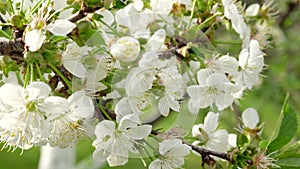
{"type": "Point", "coordinates": [31, 117]}
{"type": "Point", "coordinates": [124, 65]}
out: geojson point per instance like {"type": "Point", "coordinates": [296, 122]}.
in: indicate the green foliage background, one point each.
{"type": "Point", "coordinates": [282, 76]}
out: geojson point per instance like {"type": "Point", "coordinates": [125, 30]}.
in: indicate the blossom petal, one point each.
{"type": "Point", "coordinates": [34, 40]}
{"type": "Point", "coordinates": [104, 128]}
{"type": "Point", "coordinates": [250, 118]}
{"type": "Point", "coordinates": [61, 27]}
{"type": "Point", "coordinates": [211, 122]}
{"type": "Point", "coordinates": [76, 68]}
{"type": "Point", "coordinates": [167, 145]}
{"type": "Point", "coordinates": [156, 164]}
{"type": "Point", "coordinates": [139, 132]}
{"type": "Point", "coordinates": [54, 106]}
{"type": "Point", "coordinates": [115, 160]}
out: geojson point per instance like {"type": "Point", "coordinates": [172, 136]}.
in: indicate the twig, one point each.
{"type": "Point", "coordinates": [206, 154]}
{"type": "Point", "coordinates": [12, 47]}
{"type": "Point", "coordinates": [83, 12]}
{"type": "Point", "coordinates": [291, 7]}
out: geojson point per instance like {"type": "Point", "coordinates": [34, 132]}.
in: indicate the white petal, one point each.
{"type": "Point", "coordinates": [202, 76]}
{"type": "Point", "coordinates": [156, 164]}
{"type": "Point", "coordinates": [115, 160]}
{"type": "Point", "coordinates": [61, 27]}
{"type": "Point", "coordinates": [232, 139]}
{"type": "Point", "coordinates": [211, 122]}
{"type": "Point", "coordinates": [163, 107]}
{"type": "Point", "coordinates": [139, 132]}
{"type": "Point", "coordinates": [12, 94]}
{"type": "Point", "coordinates": [34, 40]}
{"type": "Point", "coordinates": [250, 118]}
{"type": "Point", "coordinates": [128, 121]}
{"type": "Point", "coordinates": [54, 106]}
{"type": "Point", "coordinates": [76, 68]}
{"type": "Point", "coordinates": [138, 5]}
{"type": "Point", "coordinates": [252, 10]}
{"type": "Point", "coordinates": [43, 89]}
{"type": "Point", "coordinates": [167, 145]}
{"type": "Point", "coordinates": [100, 155]}
{"type": "Point", "coordinates": [104, 128]}
{"type": "Point", "coordinates": [157, 39]}
{"type": "Point", "coordinates": [81, 105]}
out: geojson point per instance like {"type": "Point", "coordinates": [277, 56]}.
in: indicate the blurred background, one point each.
{"type": "Point", "coordinates": [281, 77]}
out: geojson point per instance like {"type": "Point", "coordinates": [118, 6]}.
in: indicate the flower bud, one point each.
{"type": "Point", "coordinates": [126, 49]}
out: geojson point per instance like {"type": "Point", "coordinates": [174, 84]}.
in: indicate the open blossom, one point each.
{"type": "Point", "coordinates": [172, 153]}
{"type": "Point", "coordinates": [173, 83]}
{"type": "Point", "coordinates": [212, 89]}
{"type": "Point", "coordinates": [208, 136]}
{"type": "Point", "coordinates": [251, 61]}
{"type": "Point", "coordinates": [72, 59]}
{"type": "Point", "coordinates": [113, 143]}
{"type": "Point", "coordinates": [139, 80]}
{"type": "Point", "coordinates": [238, 24]}
{"type": "Point", "coordinates": [129, 16]}
{"type": "Point", "coordinates": [224, 64]}
{"type": "Point", "coordinates": [36, 30]}
{"type": "Point", "coordinates": [24, 111]}
{"type": "Point", "coordinates": [67, 128]}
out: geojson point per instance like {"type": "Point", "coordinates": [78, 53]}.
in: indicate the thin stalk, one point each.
{"type": "Point", "coordinates": [68, 83]}
{"type": "Point", "coordinates": [105, 113]}
{"type": "Point", "coordinates": [40, 73]}
{"type": "Point", "coordinates": [31, 73]}
{"type": "Point", "coordinates": [192, 13]}
{"type": "Point", "coordinates": [27, 75]}
{"type": "Point", "coordinates": [11, 6]}
{"type": "Point", "coordinates": [203, 24]}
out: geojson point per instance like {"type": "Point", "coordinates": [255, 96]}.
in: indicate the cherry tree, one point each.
{"type": "Point", "coordinates": [110, 70]}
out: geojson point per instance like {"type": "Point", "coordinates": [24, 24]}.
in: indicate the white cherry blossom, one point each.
{"type": "Point", "coordinates": [67, 128]}
{"type": "Point", "coordinates": [23, 120]}
{"type": "Point", "coordinates": [114, 143]}
{"type": "Point", "coordinates": [251, 61]}
{"type": "Point", "coordinates": [71, 58]}
{"type": "Point", "coordinates": [213, 89]}
{"type": "Point", "coordinates": [208, 136]}
{"type": "Point", "coordinates": [172, 152]}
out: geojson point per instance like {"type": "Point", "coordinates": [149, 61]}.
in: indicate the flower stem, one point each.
{"type": "Point", "coordinates": [105, 113]}
{"type": "Point", "coordinates": [203, 24]}
{"type": "Point", "coordinates": [31, 73]}
{"type": "Point", "coordinates": [40, 73]}
{"type": "Point", "coordinates": [68, 83]}
{"type": "Point", "coordinates": [27, 75]}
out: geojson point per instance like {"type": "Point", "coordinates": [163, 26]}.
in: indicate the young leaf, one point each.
{"type": "Point", "coordinates": [288, 127]}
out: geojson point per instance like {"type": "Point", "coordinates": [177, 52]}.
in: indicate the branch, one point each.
{"type": "Point", "coordinates": [12, 47]}
{"type": "Point", "coordinates": [291, 7]}
{"type": "Point", "coordinates": [83, 12]}
{"type": "Point", "coordinates": [206, 154]}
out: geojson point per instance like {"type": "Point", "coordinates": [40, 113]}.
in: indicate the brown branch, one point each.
{"type": "Point", "coordinates": [293, 5]}
{"type": "Point", "coordinates": [83, 12]}
{"type": "Point", "coordinates": [206, 154]}
{"type": "Point", "coordinates": [12, 47]}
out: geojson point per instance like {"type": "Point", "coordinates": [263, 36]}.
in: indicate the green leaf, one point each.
{"type": "Point", "coordinates": [288, 127]}
{"type": "Point", "coordinates": [289, 162]}
{"type": "Point", "coordinates": [291, 151]}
